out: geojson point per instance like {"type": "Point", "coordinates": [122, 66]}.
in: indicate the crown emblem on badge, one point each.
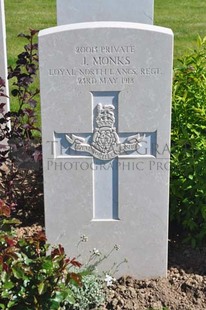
{"type": "Point", "coordinates": [105, 144]}
{"type": "Point", "coordinates": [105, 116]}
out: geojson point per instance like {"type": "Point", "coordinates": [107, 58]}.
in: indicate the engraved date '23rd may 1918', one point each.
{"type": "Point", "coordinates": [105, 65]}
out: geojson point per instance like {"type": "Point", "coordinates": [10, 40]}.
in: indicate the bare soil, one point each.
{"type": "Point", "coordinates": [183, 289]}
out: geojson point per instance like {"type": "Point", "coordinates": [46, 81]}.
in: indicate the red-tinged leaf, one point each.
{"type": "Point", "coordinates": [11, 252]}
{"type": "Point", "coordinates": [2, 110]}
{"type": "Point", "coordinates": [10, 242]}
{"type": "Point", "coordinates": [26, 126]}
{"type": "Point", "coordinates": [3, 95]}
{"type": "Point", "coordinates": [2, 105]}
{"type": "Point", "coordinates": [2, 120]}
{"type": "Point", "coordinates": [75, 263]}
{"type": "Point", "coordinates": [22, 35]}
{"type": "Point", "coordinates": [37, 156]}
{"type": "Point", "coordinates": [29, 112]}
{"type": "Point", "coordinates": [76, 278]}
{"type": "Point", "coordinates": [5, 267]}
{"type": "Point", "coordinates": [32, 103]}
{"type": "Point", "coordinates": [35, 46]}
{"type": "Point", "coordinates": [8, 114]}
{"type": "Point", "coordinates": [40, 236]}
{"type": "Point", "coordinates": [2, 82]}
{"type": "Point", "coordinates": [54, 253]}
{"type": "Point", "coordinates": [57, 251]}
{"type": "Point", "coordinates": [2, 146]}
{"type": "Point", "coordinates": [61, 250]}
{"type": "Point", "coordinates": [4, 209]}
{"type": "Point", "coordinates": [33, 31]}
{"type": "Point", "coordinates": [67, 261]}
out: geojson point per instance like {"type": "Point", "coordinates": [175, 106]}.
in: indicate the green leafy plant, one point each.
{"type": "Point", "coordinates": [20, 159]}
{"type": "Point", "coordinates": [90, 295]}
{"type": "Point", "coordinates": [33, 276]}
{"type": "Point", "coordinates": [38, 277]}
{"type": "Point", "coordinates": [188, 162]}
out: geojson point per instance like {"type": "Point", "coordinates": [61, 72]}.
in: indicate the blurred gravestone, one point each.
{"type": "Point", "coordinates": [3, 58]}
{"type": "Point", "coordinates": [78, 11]}
{"type": "Point", "coordinates": [3, 54]}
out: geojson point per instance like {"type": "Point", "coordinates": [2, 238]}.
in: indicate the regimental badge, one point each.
{"type": "Point", "coordinates": [105, 141]}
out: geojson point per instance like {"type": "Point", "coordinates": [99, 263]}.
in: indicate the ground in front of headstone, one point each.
{"type": "Point", "coordinates": [184, 288]}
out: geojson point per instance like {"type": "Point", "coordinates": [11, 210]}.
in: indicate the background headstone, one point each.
{"type": "Point", "coordinates": [78, 11]}
{"type": "Point", "coordinates": [103, 82]}
{"type": "Point", "coordinates": [3, 53]}
{"type": "Point", "coordinates": [3, 65]}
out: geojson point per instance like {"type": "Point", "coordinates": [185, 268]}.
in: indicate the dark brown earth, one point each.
{"type": "Point", "coordinates": [183, 289]}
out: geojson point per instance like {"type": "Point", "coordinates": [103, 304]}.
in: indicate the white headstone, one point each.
{"type": "Point", "coordinates": [3, 54]}
{"type": "Point", "coordinates": [106, 101]}
{"type": "Point", "coordinates": [78, 11]}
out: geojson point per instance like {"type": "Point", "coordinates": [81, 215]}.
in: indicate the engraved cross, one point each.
{"type": "Point", "coordinates": [105, 145]}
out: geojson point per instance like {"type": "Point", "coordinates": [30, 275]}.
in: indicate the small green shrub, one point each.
{"type": "Point", "coordinates": [33, 276]}
{"type": "Point", "coordinates": [90, 295]}
{"type": "Point", "coordinates": [21, 181]}
{"type": "Point", "coordinates": [188, 161]}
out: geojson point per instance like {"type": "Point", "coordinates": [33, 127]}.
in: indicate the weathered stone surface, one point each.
{"type": "Point", "coordinates": [113, 192]}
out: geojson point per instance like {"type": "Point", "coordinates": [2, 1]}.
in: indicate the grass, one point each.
{"type": "Point", "coordinates": [22, 15]}
{"type": "Point", "coordinates": [185, 17]}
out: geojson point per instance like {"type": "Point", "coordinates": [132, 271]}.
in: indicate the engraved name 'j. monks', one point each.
{"type": "Point", "coordinates": [105, 141]}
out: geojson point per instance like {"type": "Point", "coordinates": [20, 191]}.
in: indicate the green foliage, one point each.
{"type": "Point", "coordinates": [21, 181]}
{"type": "Point", "coordinates": [27, 14]}
{"type": "Point", "coordinates": [33, 276]}
{"type": "Point", "coordinates": [186, 18]}
{"type": "Point", "coordinates": [90, 294]}
{"type": "Point", "coordinates": [188, 164]}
